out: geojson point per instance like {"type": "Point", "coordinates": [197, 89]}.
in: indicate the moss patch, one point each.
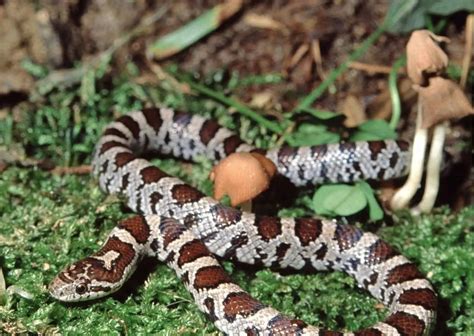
{"type": "Point", "coordinates": [48, 221]}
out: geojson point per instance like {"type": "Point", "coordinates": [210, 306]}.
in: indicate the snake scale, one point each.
{"type": "Point", "coordinates": [188, 231]}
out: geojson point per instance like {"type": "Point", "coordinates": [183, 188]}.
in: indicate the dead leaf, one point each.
{"type": "Point", "coordinates": [386, 191]}
{"type": "Point", "coordinates": [262, 99]}
{"type": "Point", "coordinates": [228, 9]}
{"type": "Point", "coordinates": [3, 166]}
{"type": "Point", "coordinates": [264, 22]}
{"type": "Point", "coordinates": [354, 111]}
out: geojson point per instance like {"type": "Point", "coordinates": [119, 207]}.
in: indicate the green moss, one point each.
{"type": "Point", "coordinates": [48, 221]}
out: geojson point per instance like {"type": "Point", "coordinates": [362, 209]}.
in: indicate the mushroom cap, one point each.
{"type": "Point", "coordinates": [442, 100]}
{"type": "Point", "coordinates": [242, 176]}
{"type": "Point", "coordinates": [267, 164]}
{"type": "Point", "coordinates": [424, 56]}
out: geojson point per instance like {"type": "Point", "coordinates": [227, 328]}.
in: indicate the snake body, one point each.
{"type": "Point", "coordinates": [187, 230]}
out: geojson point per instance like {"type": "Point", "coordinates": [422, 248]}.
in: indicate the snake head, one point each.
{"type": "Point", "coordinates": [79, 282]}
{"type": "Point", "coordinates": [102, 273]}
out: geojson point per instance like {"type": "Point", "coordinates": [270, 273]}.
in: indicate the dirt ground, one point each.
{"type": "Point", "coordinates": [307, 38]}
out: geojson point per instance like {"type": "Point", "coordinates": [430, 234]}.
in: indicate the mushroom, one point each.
{"type": "Point", "coordinates": [242, 176]}
{"type": "Point", "coordinates": [403, 195]}
{"type": "Point", "coordinates": [439, 100]}
{"type": "Point", "coordinates": [424, 56]}
{"type": "Point", "coordinates": [442, 100]}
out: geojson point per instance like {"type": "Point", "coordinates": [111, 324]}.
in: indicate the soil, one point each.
{"type": "Point", "coordinates": [61, 34]}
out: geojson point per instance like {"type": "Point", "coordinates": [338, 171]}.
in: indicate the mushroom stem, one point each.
{"type": "Point", "coordinates": [403, 196]}
{"type": "Point", "coordinates": [433, 169]}
{"type": "Point", "coordinates": [246, 206]}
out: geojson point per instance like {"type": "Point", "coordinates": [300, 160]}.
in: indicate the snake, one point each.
{"type": "Point", "coordinates": [191, 232]}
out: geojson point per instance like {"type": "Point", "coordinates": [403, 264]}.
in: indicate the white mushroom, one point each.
{"type": "Point", "coordinates": [439, 100]}
{"type": "Point", "coordinates": [404, 195]}
{"type": "Point", "coordinates": [442, 100]}
{"type": "Point", "coordinates": [424, 57]}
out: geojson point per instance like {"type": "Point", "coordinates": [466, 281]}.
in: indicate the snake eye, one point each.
{"type": "Point", "coordinates": [81, 289]}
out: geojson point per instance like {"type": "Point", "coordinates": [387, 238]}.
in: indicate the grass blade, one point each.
{"type": "Point", "coordinates": [239, 107]}
{"type": "Point", "coordinates": [193, 31]}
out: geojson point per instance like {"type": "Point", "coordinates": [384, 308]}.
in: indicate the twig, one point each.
{"type": "Point", "coordinates": [164, 76]}
{"type": "Point", "coordinates": [466, 61]}
{"type": "Point", "coordinates": [264, 22]}
{"type": "Point", "coordinates": [373, 68]}
{"type": "Point", "coordinates": [333, 75]}
{"type": "Point", "coordinates": [318, 60]}
{"type": "Point", "coordinates": [298, 55]}
{"type": "Point", "coordinates": [78, 170]}
{"type": "Point", "coordinates": [286, 132]}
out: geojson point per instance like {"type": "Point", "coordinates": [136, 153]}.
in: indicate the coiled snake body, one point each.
{"type": "Point", "coordinates": [182, 227]}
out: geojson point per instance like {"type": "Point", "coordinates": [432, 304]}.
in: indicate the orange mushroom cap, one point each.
{"type": "Point", "coordinates": [242, 176]}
